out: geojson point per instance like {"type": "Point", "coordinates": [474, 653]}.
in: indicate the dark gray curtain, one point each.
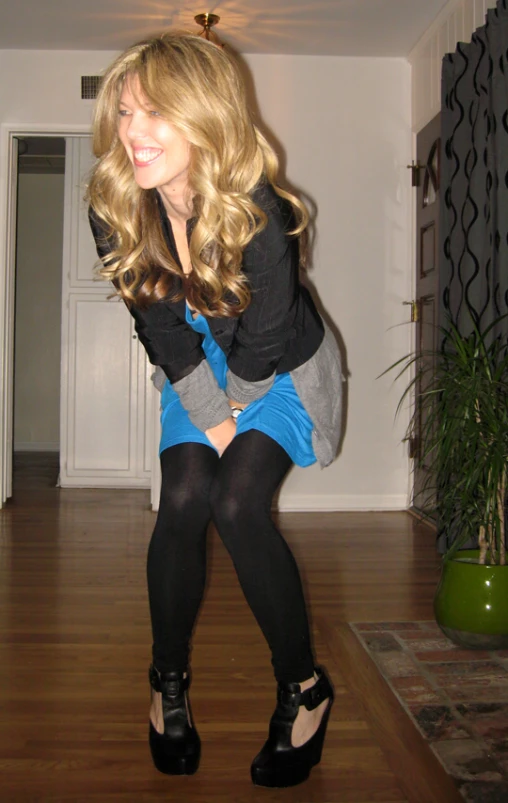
{"type": "Point", "coordinates": [473, 268]}
{"type": "Point", "coordinates": [473, 253]}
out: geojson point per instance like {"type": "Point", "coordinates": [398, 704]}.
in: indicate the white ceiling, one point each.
{"type": "Point", "coordinates": [301, 27]}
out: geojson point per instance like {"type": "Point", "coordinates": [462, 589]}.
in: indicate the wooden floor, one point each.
{"type": "Point", "coordinates": [75, 647]}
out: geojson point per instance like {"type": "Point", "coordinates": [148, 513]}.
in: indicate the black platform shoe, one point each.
{"type": "Point", "coordinates": [279, 763]}
{"type": "Point", "coordinates": [177, 750]}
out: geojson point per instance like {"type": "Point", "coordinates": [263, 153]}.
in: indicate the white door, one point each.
{"type": "Point", "coordinates": [106, 393]}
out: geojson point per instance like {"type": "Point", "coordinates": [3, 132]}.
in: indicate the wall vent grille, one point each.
{"type": "Point", "coordinates": [90, 86]}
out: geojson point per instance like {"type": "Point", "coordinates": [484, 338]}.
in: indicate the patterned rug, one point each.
{"type": "Point", "coordinates": [457, 698]}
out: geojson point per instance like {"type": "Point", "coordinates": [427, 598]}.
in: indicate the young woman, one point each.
{"type": "Point", "coordinates": [204, 248]}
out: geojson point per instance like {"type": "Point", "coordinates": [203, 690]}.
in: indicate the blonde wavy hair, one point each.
{"type": "Point", "coordinates": [198, 89]}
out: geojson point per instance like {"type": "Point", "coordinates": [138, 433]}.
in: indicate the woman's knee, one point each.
{"type": "Point", "coordinates": [224, 506]}
{"type": "Point", "coordinates": [179, 497]}
{"type": "Point", "coordinates": [229, 508]}
{"type": "Point", "coordinates": [187, 472]}
{"type": "Point", "coordinates": [182, 500]}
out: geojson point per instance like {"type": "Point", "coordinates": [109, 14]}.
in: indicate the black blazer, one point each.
{"type": "Point", "coordinates": [279, 331]}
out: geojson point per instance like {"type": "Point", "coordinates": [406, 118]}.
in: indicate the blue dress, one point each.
{"type": "Point", "coordinates": [279, 414]}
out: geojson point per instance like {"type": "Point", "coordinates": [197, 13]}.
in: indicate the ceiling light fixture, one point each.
{"type": "Point", "coordinates": [208, 21]}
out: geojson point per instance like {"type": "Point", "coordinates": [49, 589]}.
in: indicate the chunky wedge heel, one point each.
{"type": "Point", "coordinates": [176, 751]}
{"type": "Point", "coordinates": [279, 764]}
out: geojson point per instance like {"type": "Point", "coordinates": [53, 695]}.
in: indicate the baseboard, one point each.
{"type": "Point", "coordinates": [105, 482]}
{"type": "Point", "coordinates": [337, 502]}
{"type": "Point", "coordinates": [36, 447]}
{"type": "Point", "coordinates": [330, 503]}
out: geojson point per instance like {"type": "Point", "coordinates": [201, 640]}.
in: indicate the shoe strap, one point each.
{"type": "Point", "coordinates": [171, 684]}
{"type": "Point", "coordinates": [289, 694]}
{"type": "Point", "coordinates": [320, 691]}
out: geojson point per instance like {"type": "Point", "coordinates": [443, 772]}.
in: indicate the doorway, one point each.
{"type": "Point", "coordinates": [10, 135]}
{"type": "Point", "coordinates": [38, 298]}
{"type": "Point", "coordinates": [89, 322]}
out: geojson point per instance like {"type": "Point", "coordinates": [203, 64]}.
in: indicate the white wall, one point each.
{"type": "Point", "coordinates": [455, 23]}
{"type": "Point", "coordinates": [346, 126]}
{"type": "Point", "coordinates": [38, 312]}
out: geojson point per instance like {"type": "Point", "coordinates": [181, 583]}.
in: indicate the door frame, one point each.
{"type": "Point", "coordinates": [8, 219]}
{"type": "Point", "coordinates": [423, 284]}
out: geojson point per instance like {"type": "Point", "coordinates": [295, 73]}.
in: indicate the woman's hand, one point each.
{"type": "Point", "coordinates": [222, 435]}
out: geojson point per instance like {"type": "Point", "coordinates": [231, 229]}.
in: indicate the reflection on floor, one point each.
{"type": "Point", "coordinates": [35, 470]}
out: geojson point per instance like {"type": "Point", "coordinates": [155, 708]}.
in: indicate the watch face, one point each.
{"type": "Point", "coordinates": [235, 412]}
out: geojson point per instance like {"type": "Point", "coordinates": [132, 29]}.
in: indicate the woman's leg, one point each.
{"type": "Point", "coordinates": [176, 565]}
{"type": "Point", "coordinates": [249, 473]}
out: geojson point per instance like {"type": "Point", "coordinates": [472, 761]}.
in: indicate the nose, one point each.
{"type": "Point", "coordinates": [137, 125]}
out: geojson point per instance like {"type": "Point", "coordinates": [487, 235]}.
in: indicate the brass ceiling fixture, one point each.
{"type": "Point", "coordinates": [208, 21]}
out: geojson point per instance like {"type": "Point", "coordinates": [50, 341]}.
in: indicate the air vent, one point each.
{"type": "Point", "coordinates": [90, 86]}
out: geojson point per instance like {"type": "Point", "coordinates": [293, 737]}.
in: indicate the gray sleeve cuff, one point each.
{"type": "Point", "coordinates": [158, 378]}
{"type": "Point", "coordinates": [202, 397]}
{"type": "Point", "coordinates": [244, 392]}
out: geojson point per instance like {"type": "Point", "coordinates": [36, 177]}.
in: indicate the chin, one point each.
{"type": "Point", "coordinates": [146, 182]}
{"type": "Point", "coordinates": [146, 185]}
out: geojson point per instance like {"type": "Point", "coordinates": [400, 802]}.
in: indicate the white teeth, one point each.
{"type": "Point", "coordinates": [146, 155]}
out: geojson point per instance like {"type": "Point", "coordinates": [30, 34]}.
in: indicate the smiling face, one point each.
{"type": "Point", "coordinates": [159, 154]}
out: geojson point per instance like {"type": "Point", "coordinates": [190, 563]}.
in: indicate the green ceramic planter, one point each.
{"type": "Point", "coordinates": [471, 602]}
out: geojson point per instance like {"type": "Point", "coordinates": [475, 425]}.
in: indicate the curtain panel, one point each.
{"type": "Point", "coordinates": [473, 262]}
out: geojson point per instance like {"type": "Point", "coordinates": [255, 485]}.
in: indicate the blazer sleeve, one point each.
{"type": "Point", "coordinates": [271, 263]}
{"type": "Point", "coordinates": [173, 345]}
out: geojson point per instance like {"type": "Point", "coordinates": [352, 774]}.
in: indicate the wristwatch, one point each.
{"type": "Point", "coordinates": [235, 412]}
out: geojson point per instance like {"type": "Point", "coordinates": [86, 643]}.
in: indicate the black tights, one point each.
{"type": "Point", "coordinates": [236, 492]}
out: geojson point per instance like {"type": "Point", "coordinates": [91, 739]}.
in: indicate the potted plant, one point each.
{"type": "Point", "coordinates": [461, 416]}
